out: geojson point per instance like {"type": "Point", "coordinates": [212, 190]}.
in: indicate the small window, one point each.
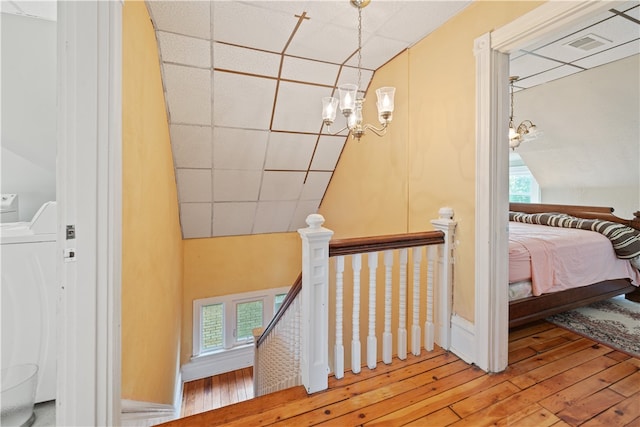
{"type": "Point", "coordinates": [523, 187]}
{"type": "Point", "coordinates": [220, 323]}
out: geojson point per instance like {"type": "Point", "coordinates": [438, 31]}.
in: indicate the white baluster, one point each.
{"type": "Point", "coordinates": [372, 341]}
{"type": "Point", "coordinates": [338, 355]}
{"type": "Point", "coordinates": [356, 265]}
{"type": "Point", "coordinates": [402, 321]}
{"type": "Point", "coordinates": [415, 325]}
{"type": "Point", "coordinates": [386, 336]}
{"type": "Point", "coordinates": [428, 325]}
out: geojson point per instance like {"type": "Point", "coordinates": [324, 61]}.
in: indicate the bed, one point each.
{"type": "Point", "coordinates": [551, 298]}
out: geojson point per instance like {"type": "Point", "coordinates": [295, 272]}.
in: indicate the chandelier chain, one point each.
{"type": "Point", "coordinates": [359, 48]}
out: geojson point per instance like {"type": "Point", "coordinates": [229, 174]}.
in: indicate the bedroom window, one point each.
{"type": "Point", "coordinates": [221, 323]}
{"type": "Point", "coordinates": [523, 187]}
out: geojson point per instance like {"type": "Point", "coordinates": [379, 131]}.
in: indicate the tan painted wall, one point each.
{"type": "Point", "coordinates": [230, 265]}
{"type": "Point", "coordinates": [152, 248]}
{"type": "Point", "coordinates": [427, 160]}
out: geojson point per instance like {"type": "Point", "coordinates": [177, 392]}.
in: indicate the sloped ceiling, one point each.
{"type": "Point", "coordinates": [243, 85]}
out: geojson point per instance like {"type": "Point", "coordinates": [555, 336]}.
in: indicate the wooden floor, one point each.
{"type": "Point", "coordinates": [555, 378]}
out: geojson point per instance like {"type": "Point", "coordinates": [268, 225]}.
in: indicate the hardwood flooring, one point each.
{"type": "Point", "coordinates": [555, 378]}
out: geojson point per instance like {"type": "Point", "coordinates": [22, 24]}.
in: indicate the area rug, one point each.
{"type": "Point", "coordinates": [614, 322]}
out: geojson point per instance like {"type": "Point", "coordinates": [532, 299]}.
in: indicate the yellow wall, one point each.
{"type": "Point", "coordinates": [231, 265]}
{"type": "Point", "coordinates": [427, 159]}
{"type": "Point", "coordinates": [152, 248]}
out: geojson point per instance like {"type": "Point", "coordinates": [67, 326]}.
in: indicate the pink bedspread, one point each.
{"type": "Point", "coordinates": [556, 258]}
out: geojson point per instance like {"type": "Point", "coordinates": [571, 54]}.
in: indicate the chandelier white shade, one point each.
{"type": "Point", "coordinates": [350, 103]}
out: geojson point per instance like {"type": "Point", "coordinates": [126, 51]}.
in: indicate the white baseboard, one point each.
{"type": "Point", "coordinates": [463, 338]}
{"type": "Point", "coordinates": [145, 414]}
{"type": "Point", "coordinates": [218, 363]}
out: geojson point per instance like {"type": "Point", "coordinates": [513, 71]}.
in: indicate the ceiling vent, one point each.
{"type": "Point", "coordinates": [588, 42]}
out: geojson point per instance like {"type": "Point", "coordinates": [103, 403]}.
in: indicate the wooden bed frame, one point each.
{"type": "Point", "coordinates": [526, 310]}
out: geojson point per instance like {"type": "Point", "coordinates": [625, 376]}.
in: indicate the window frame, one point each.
{"type": "Point", "coordinates": [229, 308]}
{"type": "Point", "coordinates": [523, 170]}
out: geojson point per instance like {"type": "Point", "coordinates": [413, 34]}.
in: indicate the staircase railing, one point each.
{"type": "Point", "coordinates": [294, 348]}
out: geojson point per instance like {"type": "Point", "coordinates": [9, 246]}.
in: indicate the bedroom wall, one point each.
{"type": "Point", "coordinates": [152, 251]}
{"type": "Point", "coordinates": [590, 148]}
{"type": "Point", "coordinates": [427, 160]}
{"type": "Point", "coordinates": [28, 111]}
{"type": "Point", "coordinates": [235, 264]}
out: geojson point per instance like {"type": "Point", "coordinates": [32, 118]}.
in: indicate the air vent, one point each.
{"type": "Point", "coordinates": [588, 42]}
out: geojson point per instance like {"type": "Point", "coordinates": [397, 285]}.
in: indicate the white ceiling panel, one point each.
{"type": "Point", "coordinates": [377, 51]}
{"type": "Point", "coordinates": [188, 94]}
{"type": "Point", "coordinates": [191, 146]}
{"type": "Point", "coordinates": [350, 75]}
{"type": "Point", "coordinates": [278, 185]}
{"type": "Point", "coordinates": [239, 148]}
{"type": "Point", "coordinates": [252, 27]}
{"type": "Point", "coordinates": [552, 74]}
{"type": "Point", "coordinates": [315, 186]}
{"type": "Point", "coordinates": [251, 61]}
{"type": "Point", "coordinates": [324, 41]}
{"type": "Point", "coordinates": [242, 101]}
{"type": "Point", "coordinates": [231, 219]}
{"type": "Point", "coordinates": [327, 153]}
{"type": "Point", "coordinates": [236, 185]}
{"type": "Point", "coordinates": [195, 219]}
{"type": "Point", "coordinates": [184, 50]}
{"type": "Point", "coordinates": [194, 185]}
{"type": "Point", "coordinates": [289, 151]}
{"type": "Point", "coordinates": [299, 107]}
{"type": "Point", "coordinates": [303, 210]}
{"type": "Point", "coordinates": [304, 70]}
{"type": "Point", "coordinates": [190, 18]}
{"type": "Point", "coordinates": [618, 52]}
{"type": "Point", "coordinates": [273, 217]}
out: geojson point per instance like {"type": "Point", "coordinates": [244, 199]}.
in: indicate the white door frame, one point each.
{"type": "Point", "coordinates": [89, 198]}
{"type": "Point", "coordinates": [492, 158]}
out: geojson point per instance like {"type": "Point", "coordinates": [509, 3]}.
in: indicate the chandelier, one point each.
{"type": "Point", "coordinates": [525, 130]}
{"type": "Point", "coordinates": [350, 102]}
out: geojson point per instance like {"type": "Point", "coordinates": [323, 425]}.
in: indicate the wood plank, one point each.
{"type": "Point", "coordinates": [627, 386]}
{"type": "Point", "coordinates": [488, 397]}
{"type": "Point", "coordinates": [189, 406]}
{"type": "Point", "coordinates": [225, 390]}
{"type": "Point", "coordinates": [627, 412]}
{"type": "Point", "coordinates": [521, 354]}
{"type": "Point", "coordinates": [533, 415]}
{"type": "Point", "coordinates": [543, 337]}
{"type": "Point", "coordinates": [443, 417]}
{"type": "Point", "coordinates": [590, 406]}
{"type": "Point", "coordinates": [618, 356]}
{"type": "Point", "coordinates": [549, 356]}
{"type": "Point", "coordinates": [529, 329]}
{"type": "Point", "coordinates": [242, 394]}
{"type": "Point", "coordinates": [207, 395]}
{"type": "Point", "coordinates": [248, 381]}
{"type": "Point", "coordinates": [216, 392]}
{"type": "Point", "coordinates": [570, 395]}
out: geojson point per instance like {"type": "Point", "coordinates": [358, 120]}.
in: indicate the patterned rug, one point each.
{"type": "Point", "coordinates": [614, 322]}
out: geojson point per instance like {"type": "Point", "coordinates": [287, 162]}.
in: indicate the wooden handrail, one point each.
{"type": "Point", "coordinates": [291, 295]}
{"type": "Point", "coordinates": [359, 245]}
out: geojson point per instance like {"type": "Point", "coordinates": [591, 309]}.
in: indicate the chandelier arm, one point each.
{"type": "Point", "coordinates": [338, 132]}
{"type": "Point", "coordinates": [378, 131]}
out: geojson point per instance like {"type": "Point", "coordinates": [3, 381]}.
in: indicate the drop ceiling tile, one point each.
{"type": "Point", "coordinates": [547, 76]}
{"type": "Point", "coordinates": [195, 219]}
{"type": "Point", "coordinates": [190, 18]}
{"type": "Point", "coordinates": [377, 51]}
{"type": "Point", "coordinates": [194, 185]}
{"type": "Point", "coordinates": [304, 208]}
{"type": "Point", "coordinates": [618, 30]}
{"type": "Point", "coordinates": [239, 148]}
{"type": "Point", "coordinates": [273, 217]}
{"type": "Point", "coordinates": [615, 54]}
{"type": "Point", "coordinates": [299, 108]}
{"type": "Point", "coordinates": [315, 186]}
{"type": "Point", "coordinates": [251, 61]}
{"type": "Point", "coordinates": [188, 94]}
{"type": "Point", "coordinates": [232, 219]}
{"type": "Point", "coordinates": [236, 185]}
{"type": "Point", "coordinates": [528, 65]}
{"type": "Point", "coordinates": [242, 101]}
{"type": "Point", "coordinates": [304, 70]}
{"type": "Point", "coordinates": [184, 50]}
{"type": "Point", "coordinates": [254, 27]}
{"type": "Point", "coordinates": [191, 146]}
{"type": "Point", "coordinates": [350, 75]}
{"type": "Point", "coordinates": [324, 41]}
{"type": "Point", "coordinates": [281, 185]}
{"type": "Point", "coordinates": [327, 152]}
{"type": "Point", "coordinates": [289, 151]}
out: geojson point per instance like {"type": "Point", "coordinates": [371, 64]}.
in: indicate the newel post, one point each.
{"type": "Point", "coordinates": [447, 225]}
{"type": "Point", "coordinates": [314, 311]}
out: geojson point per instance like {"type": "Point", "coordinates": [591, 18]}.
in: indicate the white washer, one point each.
{"type": "Point", "coordinates": [29, 280]}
